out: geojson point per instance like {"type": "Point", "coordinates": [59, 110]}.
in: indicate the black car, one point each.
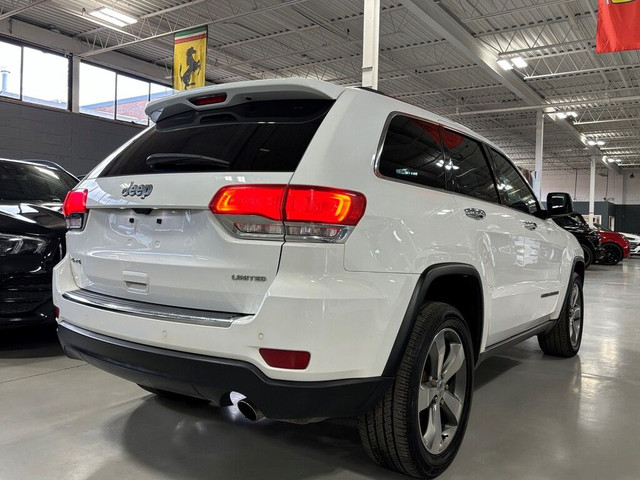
{"type": "Point", "coordinates": [32, 230]}
{"type": "Point", "coordinates": [588, 237]}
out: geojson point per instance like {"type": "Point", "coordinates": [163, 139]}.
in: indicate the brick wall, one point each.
{"type": "Point", "coordinates": [77, 142]}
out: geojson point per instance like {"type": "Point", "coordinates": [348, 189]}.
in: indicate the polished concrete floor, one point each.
{"type": "Point", "coordinates": [533, 417]}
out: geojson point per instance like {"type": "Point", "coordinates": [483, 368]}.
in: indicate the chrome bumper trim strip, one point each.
{"type": "Point", "coordinates": [159, 312]}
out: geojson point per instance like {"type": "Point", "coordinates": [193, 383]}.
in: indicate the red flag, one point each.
{"type": "Point", "coordinates": [618, 25]}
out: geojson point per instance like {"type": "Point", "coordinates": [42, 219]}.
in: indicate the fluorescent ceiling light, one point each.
{"type": "Point", "coordinates": [599, 143]}
{"type": "Point", "coordinates": [112, 16]}
{"type": "Point", "coordinates": [591, 142]}
{"type": "Point", "coordinates": [519, 62]}
{"type": "Point", "coordinates": [505, 64]}
{"type": "Point", "coordinates": [566, 114]}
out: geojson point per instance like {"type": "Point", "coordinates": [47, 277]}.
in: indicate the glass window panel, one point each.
{"type": "Point", "coordinates": [132, 97]}
{"type": "Point", "coordinates": [10, 70]}
{"type": "Point", "coordinates": [38, 65]}
{"type": "Point", "coordinates": [263, 136]}
{"type": "Point", "coordinates": [412, 152]}
{"type": "Point", "coordinates": [467, 168]}
{"type": "Point", "coordinates": [97, 91]}
{"type": "Point", "coordinates": [159, 91]}
{"type": "Point", "coordinates": [514, 191]}
{"type": "Point", "coordinates": [25, 182]}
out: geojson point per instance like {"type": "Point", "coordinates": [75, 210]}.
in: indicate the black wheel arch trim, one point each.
{"type": "Point", "coordinates": [417, 299]}
{"type": "Point", "coordinates": [576, 260]}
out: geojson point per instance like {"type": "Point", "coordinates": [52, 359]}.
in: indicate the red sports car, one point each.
{"type": "Point", "coordinates": [614, 246]}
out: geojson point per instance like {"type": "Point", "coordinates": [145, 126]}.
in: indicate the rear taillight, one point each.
{"type": "Point", "coordinates": [323, 205]}
{"type": "Point", "coordinates": [74, 209]}
{"type": "Point", "coordinates": [301, 212]}
{"type": "Point", "coordinates": [262, 200]}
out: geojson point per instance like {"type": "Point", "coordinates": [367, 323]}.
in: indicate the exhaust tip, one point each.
{"type": "Point", "coordinates": [249, 410]}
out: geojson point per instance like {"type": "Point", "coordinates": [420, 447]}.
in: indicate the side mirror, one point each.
{"type": "Point", "coordinates": [559, 203]}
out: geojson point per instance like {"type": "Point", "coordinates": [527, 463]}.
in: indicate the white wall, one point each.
{"type": "Point", "coordinates": [621, 189]}
{"type": "Point", "coordinates": [631, 189]}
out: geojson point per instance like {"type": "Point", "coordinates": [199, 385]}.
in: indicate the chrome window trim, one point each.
{"type": "Point", "coordinates": [149, 310]}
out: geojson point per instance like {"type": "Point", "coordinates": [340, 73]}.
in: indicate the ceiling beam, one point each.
{"type": "Point", "coordinates": [446, 26]}
{"type": "Point", "coordinates": [487, 16]}
{"type": "Point", "coordinates": [439, 21]}
{"type": "Point", "coordinates": [206, 23]}
{"type": "Point", "coordinates": [22, 9]}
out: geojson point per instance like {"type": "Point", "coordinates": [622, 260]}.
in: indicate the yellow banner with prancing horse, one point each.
{"type": "Point", "coordinates": [189, 58]}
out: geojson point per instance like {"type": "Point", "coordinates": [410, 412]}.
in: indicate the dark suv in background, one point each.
{"type": "Point", "coordinates": [32, 230]}
{"type": "Point", "coordinates": [588, 237]}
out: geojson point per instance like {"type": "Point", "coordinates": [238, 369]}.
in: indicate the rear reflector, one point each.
{"type": "Point", "coordinates": [289, 359]}
{"type": "Point", "coordinates": [209, 100]}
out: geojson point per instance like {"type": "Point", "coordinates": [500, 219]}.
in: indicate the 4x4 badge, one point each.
{"type": "Point", "coordinates": [141, 191]}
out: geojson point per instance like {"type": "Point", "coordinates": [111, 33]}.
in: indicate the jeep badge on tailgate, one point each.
{"type": "Point", "coordinates": [141, 191]}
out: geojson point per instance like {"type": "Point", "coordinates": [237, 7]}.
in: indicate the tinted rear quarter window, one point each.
{"type": "Point", "coordinates": [412, 152]}
{"type": "Point", "coordinates": [269, 136]}
{"type": "Point", "coordinates": [467, 168]}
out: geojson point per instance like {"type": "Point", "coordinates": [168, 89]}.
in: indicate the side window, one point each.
{"type": "Point", "coordinates": [514, 191]}
{"type": "Point", "coordinates": [466, 167]}
{"type": "Point", "coordinates": [412, 152]}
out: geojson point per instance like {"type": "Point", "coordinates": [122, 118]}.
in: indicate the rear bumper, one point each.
{"type": "Point", "coordinates": [213, 378]}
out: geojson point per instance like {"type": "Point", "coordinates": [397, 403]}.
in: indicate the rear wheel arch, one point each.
{"type": "Point", "coordinates": [579, 268]}
{"type": "Point", "coordinates": [456, 284]}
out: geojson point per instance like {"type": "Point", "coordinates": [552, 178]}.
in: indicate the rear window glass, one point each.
{"type": "Point", "coordinates": [269, 136]}
{"type": "Point", "coordinates": [27, 182]}
{"type": "Point", "coordinates": [412, 152]}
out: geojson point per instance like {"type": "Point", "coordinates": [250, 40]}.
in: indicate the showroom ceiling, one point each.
{"type": "Point", "coordinates": [439, 55]}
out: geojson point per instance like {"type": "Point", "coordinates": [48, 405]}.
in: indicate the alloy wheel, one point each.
{"type": "Point", "coordinates": [575, 316]}
{"type": "Point", "coordinates": [442, 391]}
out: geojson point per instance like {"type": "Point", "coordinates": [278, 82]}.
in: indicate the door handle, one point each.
{"type": "Point", "coordinates": [530, 225]}
{"type": "Point", "coordinates": [475, 213]}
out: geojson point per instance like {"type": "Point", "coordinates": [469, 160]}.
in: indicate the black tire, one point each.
{"type": "Point", "coordinates": [588, 256]}
{"type": "Point", "coordinates": [612, 254]}
{"type": "Point", "coordinates": [173, 396]}
{"type": "Point", "coordinates": [407, 430]}
{"type": "Point", "coordinates": [564, 339]}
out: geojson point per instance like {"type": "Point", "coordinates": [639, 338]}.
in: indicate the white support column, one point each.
{"type": "Point", "coordinates": [592, 190]}
{"type": "Point", "coordinates": [537, 173]}
{"type": "Point", "coordinates": [75, 83]}
{"type": "Point", "coordinates": [371, 43]}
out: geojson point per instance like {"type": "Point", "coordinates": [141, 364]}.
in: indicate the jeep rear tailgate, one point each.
{"type": "Point", "coordinates": [150, 235]}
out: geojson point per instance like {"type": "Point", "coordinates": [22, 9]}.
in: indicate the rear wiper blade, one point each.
{"type": "Point", "coordinates": [176, 159]}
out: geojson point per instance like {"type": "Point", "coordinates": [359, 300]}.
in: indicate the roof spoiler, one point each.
{"type": "Point", "coordinates": [228, 94]}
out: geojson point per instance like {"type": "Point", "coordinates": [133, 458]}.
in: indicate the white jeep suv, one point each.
{"type": "Point", "coordinates": [323, 251]}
